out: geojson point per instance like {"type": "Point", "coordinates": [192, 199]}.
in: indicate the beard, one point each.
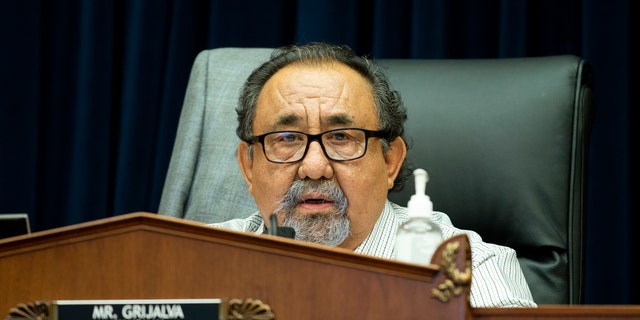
{"type": "Point", "coordinates": [329, 228]}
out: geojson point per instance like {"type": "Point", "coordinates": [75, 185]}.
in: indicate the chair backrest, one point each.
{"type": "Point", "coordinates": [504, 141]}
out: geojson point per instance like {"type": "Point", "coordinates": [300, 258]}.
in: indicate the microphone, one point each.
{"type": "Point", "coordinates": [281, 231]}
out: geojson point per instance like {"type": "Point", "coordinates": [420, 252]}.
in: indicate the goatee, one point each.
{"type": "Point", "coordinates": [329, 228]}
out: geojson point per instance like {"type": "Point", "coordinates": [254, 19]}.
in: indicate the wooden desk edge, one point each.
{"type": "Point", "coordinates": [560, 311]}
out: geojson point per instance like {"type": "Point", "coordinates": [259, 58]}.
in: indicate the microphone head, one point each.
{"type": "Point", "coordinates": [281, 231]}
{"type": "Point", "coordinates": [286, 232]}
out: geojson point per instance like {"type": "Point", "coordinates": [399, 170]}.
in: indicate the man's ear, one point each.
{"type": "Point", "coordinates": [394, 158]}
{"type": "Point", "coordinates": [246, 163]}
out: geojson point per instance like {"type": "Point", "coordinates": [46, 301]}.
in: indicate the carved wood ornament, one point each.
{"type": "Point", "coordinates": [455, 281]}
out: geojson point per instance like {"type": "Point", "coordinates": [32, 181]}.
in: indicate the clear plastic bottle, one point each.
{"type": "Point", "coordinates": [418, 237]}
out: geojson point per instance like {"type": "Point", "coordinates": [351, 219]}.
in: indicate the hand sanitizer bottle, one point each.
{"type": "Point", "coordinates": [418, 238]}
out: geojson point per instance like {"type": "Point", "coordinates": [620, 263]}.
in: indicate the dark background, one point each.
{"type": "Point", "coordinates": [91, 92]}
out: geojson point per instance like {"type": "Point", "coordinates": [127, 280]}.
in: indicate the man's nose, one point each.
{"type": "Point", "coordinates": [315, 164]}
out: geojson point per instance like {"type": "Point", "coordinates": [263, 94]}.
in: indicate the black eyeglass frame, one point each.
{"type": "Point", "coordinates": [318, 137]}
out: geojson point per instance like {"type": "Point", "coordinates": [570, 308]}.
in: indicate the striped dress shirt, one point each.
{"type": "Point", "coordinates": [497, 279]}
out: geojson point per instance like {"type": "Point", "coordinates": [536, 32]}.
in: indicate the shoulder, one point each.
{"type": "Point", "coordinates": [481, 251]}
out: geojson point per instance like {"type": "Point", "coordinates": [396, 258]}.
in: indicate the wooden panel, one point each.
{"type": "Point", "coordinates": [145, 256]}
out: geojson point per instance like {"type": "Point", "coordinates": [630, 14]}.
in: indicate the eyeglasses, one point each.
{"type": "Point", "coordinates": [338, 144]}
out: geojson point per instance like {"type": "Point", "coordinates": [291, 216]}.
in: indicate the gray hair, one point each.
{"type": "Point", "coordinates": [391, 111]}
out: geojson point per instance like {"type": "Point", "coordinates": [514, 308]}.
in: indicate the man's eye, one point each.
{"type": "Point", "coordinates": [288, 137]}
{"type": "Point", "coordinates": [339, 136]}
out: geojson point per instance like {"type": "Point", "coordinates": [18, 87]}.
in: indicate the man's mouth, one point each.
{"type": "Point", "coordinates": [315, 201]}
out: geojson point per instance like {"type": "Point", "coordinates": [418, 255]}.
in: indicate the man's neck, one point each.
{"type": "Point", "coordinates": [356, 238]}
{"type": "Point", "coordinates": [351, 243]}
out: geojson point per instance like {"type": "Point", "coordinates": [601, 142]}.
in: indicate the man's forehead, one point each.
{"type": "Point", "coordinates": [327, 94]}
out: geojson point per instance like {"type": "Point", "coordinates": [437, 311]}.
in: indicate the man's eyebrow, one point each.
{"type": "Point", "coordinates": [339, 119]}
{"type": "Point", "coordinates": [292, 119]}
{"type": "Point", "coordinates": [286, 120]}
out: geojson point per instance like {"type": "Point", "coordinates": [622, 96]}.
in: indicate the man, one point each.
{"type": "Point", "coordinates": [322, 145]}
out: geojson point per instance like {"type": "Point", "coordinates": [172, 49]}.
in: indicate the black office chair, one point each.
{"type": "Point", "coordinates": [504, 141]}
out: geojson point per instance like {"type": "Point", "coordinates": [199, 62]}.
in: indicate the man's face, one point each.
{"type": "Point", "coordinates": [314, 99]}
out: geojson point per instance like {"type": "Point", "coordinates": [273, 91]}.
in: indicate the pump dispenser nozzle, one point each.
{"type": "Point", "coordinates": [420, 179]}
{"type": "Point", "coordinates": [420, 204]}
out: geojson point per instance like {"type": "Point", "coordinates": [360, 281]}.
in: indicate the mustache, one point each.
{"type": "Point", "coordinates": [326, 189]}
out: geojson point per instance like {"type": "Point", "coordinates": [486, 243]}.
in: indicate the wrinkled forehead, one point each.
{"type": "Point", "coordinates": [322, 95]}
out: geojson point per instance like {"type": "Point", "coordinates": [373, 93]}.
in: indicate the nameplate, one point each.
{"type": "Point", "coordinates": [143, 309]}
{"type": "Point", "coordinates": [188, 309]}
